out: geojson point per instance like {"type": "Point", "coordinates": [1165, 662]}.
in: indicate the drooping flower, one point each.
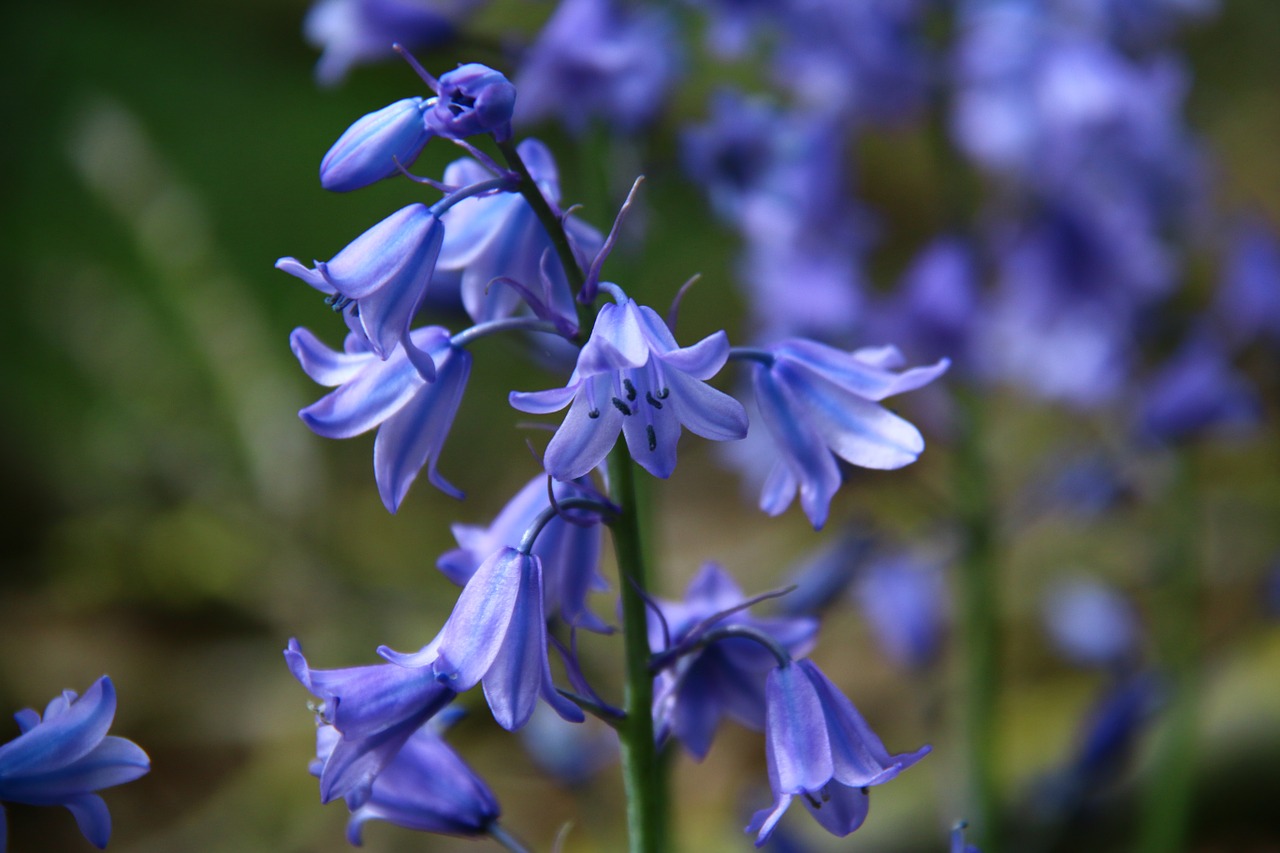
{"type": "Point", "coordinates": [413, 416]}
{"type": "Point", "coordinates": [379, 280]}
{"type": "Point", "coordinates": [374, 710]}
{"type": "Point", "coordinates": [632, 377]}
{"type": "Point", "coordinates": [570, 553]}
{"type": "Point", "coordinates": [472, 99]}
{"type": "Point", "coordinates": [62, 758]}
{"type": "Point", "coordinates": [726, 677]}
{"type": "Point", "coordinates": [376, 146]}
{"type": "Point", "coordinates": [497, 634]}
{"type": "Point", "coordinates": [820, 749]}
{"type": "Point", "coordinates": [425, 787]}
{"type": "Point", "coordinates": [904, 599]}
{"type": "Point", "coordinates": [817, 403]}
{"type": "Point", "coordinates": [1195, 393]}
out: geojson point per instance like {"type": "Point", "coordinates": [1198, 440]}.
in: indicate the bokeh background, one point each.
{"type": "Point", "coordinates": [168, 520]}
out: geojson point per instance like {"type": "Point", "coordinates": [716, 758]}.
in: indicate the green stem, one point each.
{"type": "Point", "coordinates": [980, 614]}
{"type": "Point", "coordinates": [642, 770]}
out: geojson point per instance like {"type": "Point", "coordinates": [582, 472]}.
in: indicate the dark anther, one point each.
{"type": "Point", "coordinates": [648, 396]}
{"type": "Point", "coordinates": [631, 389]}
{"type": "Point", "coordinates": [593, 414]}
{"type": "Point", "coordinates": [664, 393]}
{"type": "Point", "coordinates": [460, 103]}
{"type": "Point", "coordinates": [621, 406]}
{"type": "Point", "coordinates": [337, 301]}
{"type": "Point", "coordinates": [813, 801]}
{"type": "Point", "coordinates": [653, 437]}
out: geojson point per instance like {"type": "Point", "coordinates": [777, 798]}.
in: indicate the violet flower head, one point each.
{"type": "Point", "coordinates": [1091, 624]}
{"type": "Point", "coordinates": [62, 758]}
{"type": "Point", "coordinates": [820, 749]}
{"type": "Point", "coordinates": [379, 280]}
{"type": "Point", "coordinates": [413, 416]}
{"type": "Point", "coordinates": [819, 403]}
{"type": "Point", "coordinates": [633, 378]}
{"type": "Point", "coordinates": [936, 306]}
{"type": "Point", "coordinates": [725, 678]}
{"type": "Point", "coordinates": [374, 710]}
{"type": "Point", "coordinates": [1249, 299]}
{"type": "Point", "coordinates": [355, 32]}
{"type": "Point", "coordinates": [569, 552]}
{"type": "Point", "coordinates": [1196, 393]}
{"type": "Point", "coordinates": [472, 99]}
{"type": "Point", "coordinates": [376, 146]}
{"type": "Point", "coordinates": [425, 787]}
{"type": "Point", "coordinates": [497, 634]}
{"type": "Point", "coordinates": [904, 599]}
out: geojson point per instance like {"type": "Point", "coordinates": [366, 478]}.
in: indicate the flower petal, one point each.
{"type": "Point", "coordinates": [582, 441]}
{"type": "Point", "coordinates": [796, 731]}
{"type": "Point", "coordinates": [322, 364]}
{"type": "Point", "coordinates": [473, 636]}
{"type": "Point", "coordinates": [92, 817]}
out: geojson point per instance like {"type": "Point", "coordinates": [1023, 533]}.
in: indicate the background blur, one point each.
{"type": "Point", "coordinates": [169, 521]}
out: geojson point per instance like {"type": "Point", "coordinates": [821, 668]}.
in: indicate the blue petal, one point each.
{"type": "Point", "coordinates": [114, 761]}
{"type": "Point", "coordinates": [369, 149]}
{"type": "Point", "coordinates": [512, 682]}
{"type": "Point", "coordinates": [92, 817]}
{"type": "Point", "coordinates": [543, 402]}
{"type": "Point", "coordinates": [322, 364]}
{"type": "Point", "coordinates": [705, 411]}
{"type": "Point", "coordinates": [803, 449]}
{"type": "Point", "coordinates": [582, 442]}
{"type": "Point", "coordinates": [376, 393]}
{"type": "Point", "coordinates": [840, 810]}
{"type": "Point", "coordinates": [56, 743]}
{"type": "Point", "coordinates": [472, 637]}
{"type": "Point", "coordinates": [764, 821]}
{"type": "Point", "coordinates": [701, 360]}
{"type": "Point", "coordinates": [796, 731]}
{"type": "Point", "coordinates": [311, 276]}
{"type": "Point", "coordinates": [863, 372]}
{"type": "Point", "coordinates": [617, 341]}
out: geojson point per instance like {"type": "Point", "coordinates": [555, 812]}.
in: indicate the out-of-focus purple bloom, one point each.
{"type": "Point", "coordinates": [354, 32]}
{"type": "Point", "coordinates": [958, 844]}
{"type": "Point", "coordinates": [633, 378]}
{"type": "Point", "coordinates": [60, 759]}
{"type": "Point", "coordinates": [733, 153]}
{"type": "Point", "coordinates": [497, 634]}
{"type": "Point", "coordinates": [380, 278]}
{"type": "Point", "coordinates": [600, 59]}
{"type": "Point", "coordinates": [1091, 624]}
{"type": "Point", "coordinates": [819, 403]}
{"type": "Point", "coordinates": [733, 23]}
{"type": "Point", "coordinates": [1133, 24]}
{"type": "Point", "coordinates": [473, 98]}
{"type": "Point", "coordinates": [1084, 484]}
{"type": "Point", "coordinates": [370, 149]}
{"type": "Point", "coordinates": [822, 577]}
{"type": "Point", "coordinates": [905, 601]}
{"type": "Point", "coordinates": [1197, 392]}
{"type": "Point", "coordinates": [726, 677]}
{"type": "Point", "coordinates": [571, 753]}
{"type": "Point", "coordinates": [499, 236]}
{"type": "Point", "coordinates": [425, 787]}
{"type": "Point", "coordinates": [413, 416]}
{"type": "Point", "coordinates": [570, 553]}
{"type": "Point", "coordinates": [820, 749]}
{"type": "Point", "coordinates": [935, 309]}
{"type": "Point", "coordinates": [1249, 298]}
{"type": "Point", "coordinates": [374, 710]}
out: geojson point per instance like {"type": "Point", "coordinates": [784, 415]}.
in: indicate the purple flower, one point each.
{"type": "Point", "coordinates": [497, 634]}
{"type": "Point", "coordinates": [726, 677]}
{"type": "Point", "coordinates": [570, 553]}
{"type": "Point", "coordinates": [1249, 298]}
{"type": "Point", "coordinates": [62, 758]}
{"type": "Point", "coordinates": [1091, 624]}
{"type": "Point", "coordinates": [499, 236]}
{"type": "Point", "coordinates": [817, 403]}
{"type": "Point", "coordinates": [472, 99]}
{"type": "Point", "coordinates": [354, 32]}
{"type": "Point", "coordinates": [370, 149]}
{"type": "Point", "coordinates": [413, 416]}
{"type": "Point", "coordinates": [1197, 392]}
{"type": "Point", "coordinates": [958, 844]}
{"type": "Point", "coordinates": [374, 710]}
{"type": "Point", "coordinates": [935, 308]}
{"type": "Point", "coordinates": [905, 602]}
{"type": "Point", "coordinates": [425, 787]}
{"type": "Point", "coordinates": [820, 749]}
{"type": "Point", "coordinates": [633, 378]}
{"type": "Point", "coordinates": [381, 277]}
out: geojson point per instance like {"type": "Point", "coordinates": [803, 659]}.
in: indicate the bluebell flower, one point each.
{"type": "Point", "coordinates": [600, 60]}
{"type": "Point", "coordinates": [820, 749]}
{"type": "Point", "coordinates": [632, 377]}
{"type": "Point", "coordinates": [376, 146]}
{"type": "Point", "coordinates": [570, 753]}
{"type": "Point", "coordinates": [412, 415]}
{"type": "Point", "coordinates": [936, 308]}
{"type": "Point", "coordinates": [904, 600]}
{"type": "Point", "coordinates": [64, 757]}
{"type": "Point", "coordinates": [1091, 624]}
{"type": "Point", "coordinates": [497, 634]}
{"type": "Point", "coordinates": [817, 403]}
{"type": "Point", "coordinates": [725, 678]}
{"type": "Point", "coordinates": [354, 32]}
{"type": "Point", "coordinates": [958, 844]}
{"type": "Point", "coordinates": [380, 278]}
{"type": "Point", "coordinates": [425, 787]}
{"type": "Point", "coordinates": [1134, 24]}
{"type": "Point", "coordinates": [374, 710]}
{"type": "Point", "coordinates": [731, 24]}
{"type": "Point", "coordinates": [1197, 392]}
{"type": "Point", "coordinates": [472, 99]}
{"type": "Point", "coordinates": [1248, 300]}
{"type": "Point", "coordinates": [499, 236]}
{"type": "Point", "coordinates": [570, 553]}
{"type": "Point", "coordinates": [823, 576]}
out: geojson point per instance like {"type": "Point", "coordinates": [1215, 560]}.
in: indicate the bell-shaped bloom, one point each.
{"type": "Point", "coordinates": [497, 635]}
{"type": "Point", "coordinates": [376, 147]}
{"type": "Point", "coordinates": [820, 749]}
{"type": "Point", "coordinates": [499, 236]}
{"type": "Point", "coordinates": [62, 758]}
{"type": "Point", "coordinates": [412, 415]}
{"type": "Point", "coordinates": [1197, 392]}
{"type": "Point", "coordinates": [355, 32]}
{"type": "Point", "coordinates": [425, 787]}
{"type": "Point", "coordinates": [569, 552]}
{"type": "Point", "coordinates": [381, 277]}
{"type": "Point", "coordinates": [374, 710]}
{"type": "Point", "coordinates": [473, 98]}
{"type": "Point", "coordinates": [633, 378]}
{"type": "Point", "coordinates": [726, 677]}
{"type": "Point", "coordinates": [904, 600]}
{"type": "Point", "coordinates": [819, 403]}
{"type": "Point", "coordinates": [1092, 624]}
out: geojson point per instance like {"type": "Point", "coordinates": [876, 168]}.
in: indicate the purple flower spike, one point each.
{"type": "Point", "coordinates": [376, 146]}
{"type": "Point", "coordinates": [425, 787]}
{"type": "Point", "coordinates": [413, 416]}
{"type": "Point", "coordinates": [820, 749]}
{"type": "Point", "coordinates": [633, 378]}
{"type": "Point", "coordinates": [818, 403]}
{"type": "Point", "coordinates": [382, 275]}
{"type": "Point", "coordinates": [473, 98]}
{"type": "Point", "coordinates": [62, 758]}
{"type": "Point", "coordinates": [374, 710]}
{"type": "Point", "coordinates": [497, 634]}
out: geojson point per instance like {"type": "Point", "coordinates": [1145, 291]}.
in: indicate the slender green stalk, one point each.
{"type": "Point", "coordinates": [642, 768]}
{"type": "Point", "coordinates": [980, 621]}
{"type": "Point", "coordinates": [1168, 797]}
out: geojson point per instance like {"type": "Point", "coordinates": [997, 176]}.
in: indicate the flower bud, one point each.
{"type": "Point", "coordinates": [370, 148]}
{"type": "Point", "coordinates": [473, 99]}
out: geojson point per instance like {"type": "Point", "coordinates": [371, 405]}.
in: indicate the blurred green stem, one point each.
{"type": "Point", "coordinates": [1167, 801]}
